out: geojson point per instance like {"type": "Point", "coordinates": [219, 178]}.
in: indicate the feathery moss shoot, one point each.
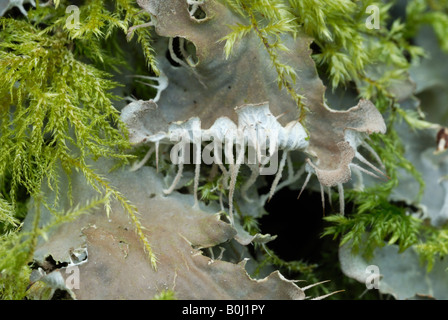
{"type": "Point", "coordinates": [58, 112]}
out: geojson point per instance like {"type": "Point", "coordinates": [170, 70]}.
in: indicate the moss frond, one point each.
{"type": "Point", "coordinates": [384, 222]}
{"type": "Point", "coordinates": [434, 247]}
{"type": "Point", "coordinates": [432, 13]}
{"type": "Point", "coordinates": [7, 218]}
{"type": "Point", "coordinates": [165, 295]}
{"type": "Point", "coordinates": [17, 248]}
{"type": "Point", "coordinates": [144, 37]}
{"type": "Point", "coordinates": [57, 110]}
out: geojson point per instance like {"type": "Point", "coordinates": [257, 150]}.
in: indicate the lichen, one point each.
{"type": "Point", "coordinates": [279, 76]}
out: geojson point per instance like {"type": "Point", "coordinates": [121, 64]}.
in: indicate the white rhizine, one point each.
{"type": "Point", "coordinates": [6, 5]}
{"type": "Point", "coordinates": [258, 131]}
{"type": "Point", "coordinates": [162, 80]}
{"type": "Point", "coordinates": [194, 6]}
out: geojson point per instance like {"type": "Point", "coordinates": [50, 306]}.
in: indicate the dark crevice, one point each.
{"type": "Point", "coordinates": [183, 190]}
{"type": "Point", "coordinates": [190, 49]}
{"type": "Point", "coordinates": [49, 265]}
{"type": "Point", "coordinates": [177, 52]}
{"type": "Point", "coordinates": [61, 295]}
{"type": "Point", "coordinates": [199, 14]}
{"type": "Point", "coordinates": [298, 224]}
{"type": "Point", "coordinates": [315, 48]}
{"type": "Point", "coordinates": [182, 49]}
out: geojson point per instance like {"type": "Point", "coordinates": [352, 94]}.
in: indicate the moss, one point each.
{"type": "Point", "coordinates": [57, 110]}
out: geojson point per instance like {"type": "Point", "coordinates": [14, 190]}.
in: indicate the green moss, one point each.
{"type": "Point", "coordinates": [57, 110]}
{"type": "Point", "coordinates": [165, 295]}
